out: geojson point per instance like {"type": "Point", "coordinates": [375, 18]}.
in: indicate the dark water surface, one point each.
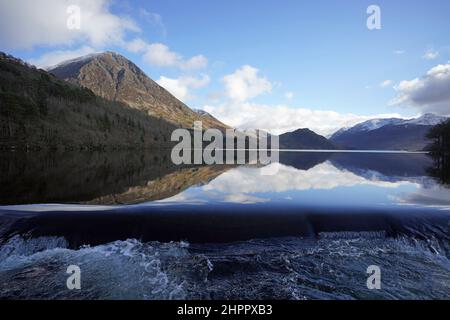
{"type": "Point", "coordinates": [141, 228]}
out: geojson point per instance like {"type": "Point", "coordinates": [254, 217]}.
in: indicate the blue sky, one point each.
{"type": "Point", "coordinates": [307, 63]}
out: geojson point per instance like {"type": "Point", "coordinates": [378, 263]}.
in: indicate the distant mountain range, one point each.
{"type": "Point", "coordinates": [375, 134]}
{"type": "Point", "coordinates": [428, 119]}
{"type": "Point", "coordinates": [387, 134]}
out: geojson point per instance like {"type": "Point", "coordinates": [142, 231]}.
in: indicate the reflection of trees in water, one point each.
{"type": "Point", "coordinates": [440, 147]}
{"type": "Point", "coordinates": [94, 177]}
{"type": "Point", "coordinates": [441, 168]}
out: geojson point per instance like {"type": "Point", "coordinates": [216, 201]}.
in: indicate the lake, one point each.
{"type": "Point", "coordinates": [140, 227]}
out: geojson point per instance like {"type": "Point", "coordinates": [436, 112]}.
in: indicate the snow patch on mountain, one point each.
{"type": "Point", "coordinates": [427, 119]}
{"type": "Point", "coordinates": [82, 59]}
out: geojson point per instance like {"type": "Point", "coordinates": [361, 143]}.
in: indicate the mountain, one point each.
{"type": "Point", "coordinates": [113, 77]}
{"type": "Point", "coordinates": [367, 126]}
{"type": "Point", "coordinates": [305, 139]}
{"type": "Point", "coordinates": [40, 111]}
{"type": "Point", "coordinates": [427, 119]}
{"type": "Point", "coordinates": [388, 134]}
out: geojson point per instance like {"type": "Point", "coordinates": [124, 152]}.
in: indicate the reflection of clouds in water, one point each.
{"type": "Point", "coordinates": [322, 177]}
{"type": "Point", "coordinates": [55, 207]}
{"type": "Point", "coordinates": [244, 199]}
{"type": "Point", "coordinates": [430, 197]}
{"type": "Point", "coordinates": [183, 197]}
{"type": "Point", "coordinates": [244, 185]}
{"type": "Point", "coordinates": [193, 198]}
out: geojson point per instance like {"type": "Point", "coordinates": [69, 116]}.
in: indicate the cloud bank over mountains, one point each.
{"type": "Point", "coordinates": [239, 110]}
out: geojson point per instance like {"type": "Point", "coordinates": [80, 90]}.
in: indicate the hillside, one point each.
{"type": "Point", "coordinates": [40, 111]}
{"type": "Point", "coordinates": [115, 78]}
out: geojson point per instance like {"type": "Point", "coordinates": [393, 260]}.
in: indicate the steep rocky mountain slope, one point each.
{"type": "Point", "coordinates": [113, 77]}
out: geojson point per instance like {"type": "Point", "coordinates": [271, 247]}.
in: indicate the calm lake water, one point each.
{"type": "Point", "coordinates": [140, 227]}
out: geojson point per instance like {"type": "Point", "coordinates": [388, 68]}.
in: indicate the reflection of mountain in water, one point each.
{"type": "Point", "coordinates": [163, 187]}
{"type": "Point", "coordinates": [96, 178]}
{"type": "Point", "coordinates": [303, 161]}
{"type": "Point", "coordinates": [384, 166]}
{"type": "Point", "coordinates": [129, 178]}
{"type": "Point", "coordinates": [390, 167]}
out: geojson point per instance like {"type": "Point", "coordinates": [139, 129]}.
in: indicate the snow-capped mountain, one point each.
{"type": "Point", "coordinates": [366, 126]}
{"type": "Point", "coordinates": [388, 134]}
{"type": "Point", "coordinates": [427, 119]}
{"type": "Point", "coordinates": [73, 61]}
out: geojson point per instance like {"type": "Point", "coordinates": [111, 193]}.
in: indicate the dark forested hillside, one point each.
{"type": "Point", "coordinates": [39, 111]}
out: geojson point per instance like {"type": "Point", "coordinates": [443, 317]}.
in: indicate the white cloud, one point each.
{"type": "Point", "coordinates": [26, 24]}
{"type": "Point", "coordinates": [194, 63]}
{"type": "Point", "coordinates": [289, 95]}
{"type": "Point", "coordinates": [160, 55]}
{"type": "Point", "coordinates": [385, 83]}
{"type": "Point", "coordinates": [431, 54]}
{"type": "Point", "coordinates": [239, 112]}
{"type": "Point", "coordinates": [245, 84]}
{"type": "Point", "coordinates": [53, 58]}
{"type": "Point", "coordinates": [181, 87]}
{"type": "Point", "coordinates": [137, 45]}
{"type": "Point", "coordinates": [399, 52]}
{"type": "Point", "coordinates": [278, 119]}
{"type": "Point", "coordinates": [429, 93]}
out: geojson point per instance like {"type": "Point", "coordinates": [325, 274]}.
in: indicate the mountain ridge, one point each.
{"type": "Point", "coordinates": [388, 134]}
{"type": "Point", "coordinates": [428, 119]}
{"type": "Point", "coordinates": [116, 78]}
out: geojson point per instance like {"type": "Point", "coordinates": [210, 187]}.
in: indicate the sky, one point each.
{"type": "Point", "coordinates": [267, 64]}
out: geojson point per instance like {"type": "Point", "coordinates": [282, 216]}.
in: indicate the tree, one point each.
{"type": "Point", "coordinates": [440, 135]}
{"type": "Point", "coordinates": [440, 151]}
